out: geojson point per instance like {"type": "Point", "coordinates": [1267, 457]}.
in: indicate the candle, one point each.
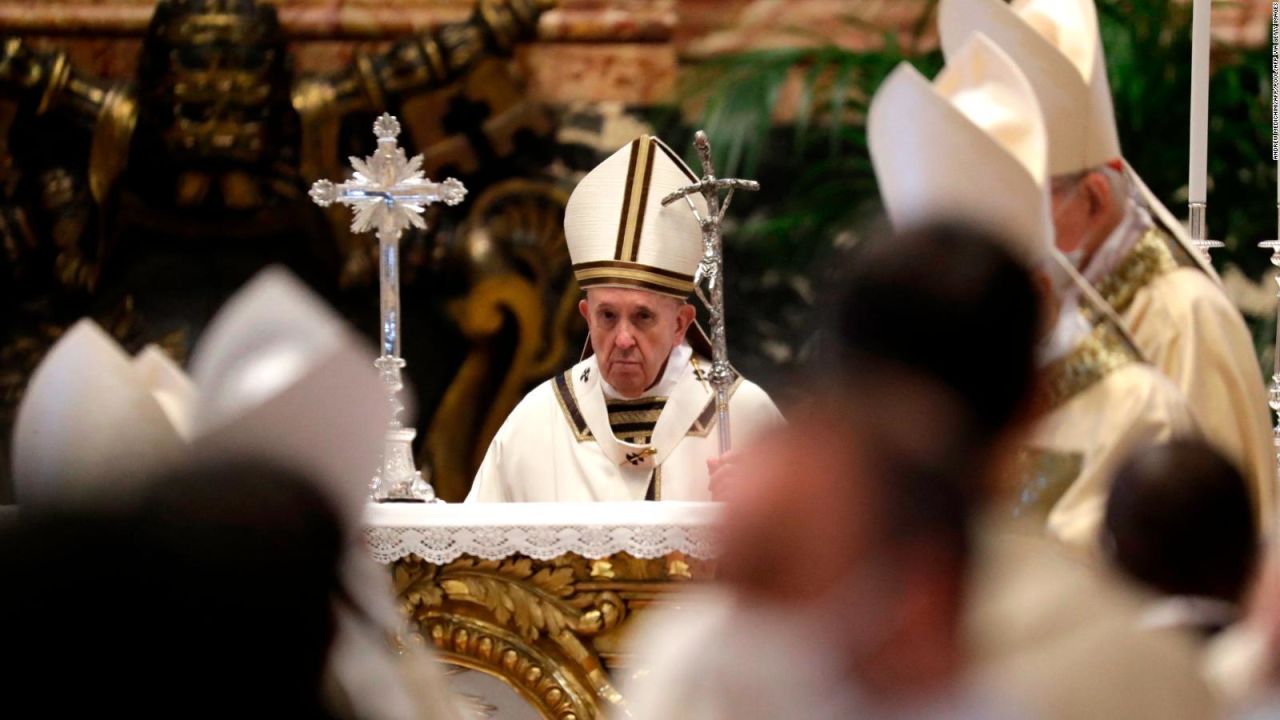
{"type": "Point", "coordinates": [1199, 101]}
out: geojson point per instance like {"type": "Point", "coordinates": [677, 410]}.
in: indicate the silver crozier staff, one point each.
{"type": "Point", "coordinates": [389, 194]}
{"type": "Point", "coordinates": [711, 269]}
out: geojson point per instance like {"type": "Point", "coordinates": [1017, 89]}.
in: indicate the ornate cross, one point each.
{"type": "Point", "coordinates": [389, 194]}
{"type": "Point", "coordinates": [711, 269]}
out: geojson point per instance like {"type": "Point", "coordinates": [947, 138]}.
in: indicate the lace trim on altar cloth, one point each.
{"type": "Point", "coordinates": [443, 545]}
{"type": "Point", "coordinates": [442, 534]}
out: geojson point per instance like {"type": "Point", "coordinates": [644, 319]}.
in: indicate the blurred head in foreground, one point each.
{"type": "Point", "coordinates": [209, 596]}
{"type": "Point", "coordinates": [1179, 521]}
{"type": "Point", "coordinates": [854, 522]}
{"type": "Point", "coordinates": [950, 304]}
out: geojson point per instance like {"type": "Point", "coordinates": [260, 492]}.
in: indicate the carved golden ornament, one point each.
{"type": "Point", "coordinates": [541, 602]}
{"type": "Point", "coordinates": [490, 649]}
{"type": "Point", "coordinates": [59, 74]}
{"type": "Point", "coordinates": [678, 566]}
{"type": "Point", "coordinates": [1149, 259]}
{"type": "Point", "coordinates": [548, 628]}
{"type": "Point", "coordinates": [602, 569]}
{"type": "Point", "coordinates": [109, 149]}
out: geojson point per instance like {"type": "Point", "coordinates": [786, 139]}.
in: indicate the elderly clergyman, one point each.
{"type": "Point", "coordinates": [1119, 236]}
{"type": "Point", "coordinates": [635, 419]}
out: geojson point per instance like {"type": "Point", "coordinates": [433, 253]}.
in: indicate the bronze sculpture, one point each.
{"type": "Point", "coordinates": [145, 203]}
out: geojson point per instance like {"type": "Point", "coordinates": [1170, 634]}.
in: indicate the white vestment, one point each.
{"type": "Point", "coordinates": [1064, 637]}
{"type": "Point", "coordinates": [1105, 404]}
{"type": "Point", "coordinates": [1187, 327]}
{"type": "Point", "coordinates": [703, 654]}
{"type": "Point", "coordinates": [558, 444]}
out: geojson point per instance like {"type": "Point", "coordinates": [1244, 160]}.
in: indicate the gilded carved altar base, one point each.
{"type": "Point", "coordinates": [551, 629]}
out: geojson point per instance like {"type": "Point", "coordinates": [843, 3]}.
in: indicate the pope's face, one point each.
{"type": "Point", "coordinates": [633, 333]}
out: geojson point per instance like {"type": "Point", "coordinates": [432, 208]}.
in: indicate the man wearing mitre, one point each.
{"type": "Point", "coordinates": [635, 418]}
{"type": "Point", "coordinates": [1119, 235]}
{"type": "Point", "coordinates": [971, 146]}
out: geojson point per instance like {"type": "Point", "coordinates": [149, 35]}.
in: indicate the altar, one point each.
{"type": "Point", "coordinates": [540, 595]}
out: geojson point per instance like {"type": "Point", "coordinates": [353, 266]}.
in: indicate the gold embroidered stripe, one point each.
{"type": "Point", "coordinates": [638, 438]}
{"type": "Point", "coordinates": [563, 388]}
{"type": "Point", "coordinates": [626, 195]}
{"type": "Point", "coordinates": [1098, 355]}
{"type": "Point", "coordinates": [1149, 259]}
{"type": "Point", "coordinates": [628, 416]}
{"type": "Point", "coordinates": [633, 278]}
{"type": "Point", "coordinates": [637, 194]}
{"type": "Point", "coordinates": [641, 207]}
{"type": "Point", "coordinates": [637, 403]}
{"type": "Point", "coordinates": [634, 420]}
{"type": "Point", "coordinates": [629, 266]}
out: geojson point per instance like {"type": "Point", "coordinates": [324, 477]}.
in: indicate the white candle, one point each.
{"type": "Point", "coordinates": [1199, 102]}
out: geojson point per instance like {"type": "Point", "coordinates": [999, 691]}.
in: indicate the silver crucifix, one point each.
{"type": "Point", "coordinates": [711, 270]}
{"type": "Point", "coordinates": [389, 194]}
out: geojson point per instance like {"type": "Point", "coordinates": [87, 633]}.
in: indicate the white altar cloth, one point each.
{"type": "Point", "coordinates": [440, 533]}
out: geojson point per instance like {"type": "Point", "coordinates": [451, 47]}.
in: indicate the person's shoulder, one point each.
{"type": "Point", "coordinates": [750, 393]}
{"type": "Point", "coordinates": [1185, 292]}
{"type": "Point", "coordinates": [1144, 391]}
{"type": "Point", "coordinates": [754, 403]}
{"type": "Point", "coordinates": [535, 408]}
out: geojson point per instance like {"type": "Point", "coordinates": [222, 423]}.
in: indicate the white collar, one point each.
{"type": "Point", "coordinates": [676, 363]}
{"type": "Point", "coordinates": [1135, 223]}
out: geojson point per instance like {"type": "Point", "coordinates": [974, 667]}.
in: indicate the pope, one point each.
{"type": "Point", "coordinates": [635, 418]}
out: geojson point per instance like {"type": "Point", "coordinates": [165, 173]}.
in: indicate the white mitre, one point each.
{"type": "Point", "coordinates": [620, 234]}
{"type": "Point", "coordinates": [283, 379]}
{"type": "Point", "coordinates": [277, 377]}
{"type": "Point", "coordinates": [92, 415]}
{"type": "Point", "coordinates": [1056, 44]}
{"type": "Point", "coordinates": [968, 147]}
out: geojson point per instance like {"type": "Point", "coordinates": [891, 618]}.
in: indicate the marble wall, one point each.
{"type": "Point", "coordinates": [589, 50]}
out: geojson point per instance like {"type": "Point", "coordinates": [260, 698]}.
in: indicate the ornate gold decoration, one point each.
{"type": "Point", "coordinates": [112, 131]}
{"type": "Point", "coordinates": [602, 569]}
{"type": "Point", "coordinates": [633, 421]}
{"type": "Point", "coordinates": [1097, 355]}
{"type": "Point", "coordinates": [531, 673]}
{"type": "Point", "coordinates": [548, 628]}
{"type": "Point", "coordinates": [678, 566]}
{"type": "Point", "coordinates": [215, 120]}
{"type": "Point", "coordinates": [1149, 259]}
{"type": "Point", "coordinates": [1043, 476]}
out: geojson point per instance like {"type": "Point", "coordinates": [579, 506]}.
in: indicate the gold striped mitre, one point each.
{"type": "Point", "coordinates": [618, 231]}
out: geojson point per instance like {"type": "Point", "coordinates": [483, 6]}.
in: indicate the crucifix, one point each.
{"type": "Point", "coordinates": [711, 270]}
{"type": "Point", "coordinates": [389, 194]}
